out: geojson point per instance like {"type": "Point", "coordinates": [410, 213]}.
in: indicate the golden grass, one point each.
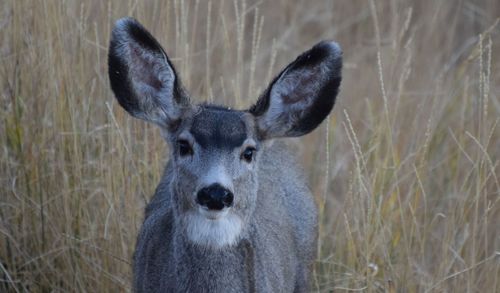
{"type": "Point", "coordinates": [405, 171]}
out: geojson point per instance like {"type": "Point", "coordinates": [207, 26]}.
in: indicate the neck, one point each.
{"type": "Point", "coordinates": [217, 269]}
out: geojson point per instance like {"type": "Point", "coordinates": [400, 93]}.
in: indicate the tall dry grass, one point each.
{"type": "Point", "coordinates": [405, 171]}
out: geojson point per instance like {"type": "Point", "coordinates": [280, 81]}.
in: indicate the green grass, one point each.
{"type": "Point", "coordinates": [405, 171]}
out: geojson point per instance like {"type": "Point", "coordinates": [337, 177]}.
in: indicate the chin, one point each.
{"type": "Point", "coordinates": [213, 229]}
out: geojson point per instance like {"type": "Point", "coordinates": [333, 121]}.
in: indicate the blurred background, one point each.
{"type": "Point", "coordinates": [405, 170]}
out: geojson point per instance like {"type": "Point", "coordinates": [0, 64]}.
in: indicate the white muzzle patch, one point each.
{"type": "Point", "coordinates": [215, 229]}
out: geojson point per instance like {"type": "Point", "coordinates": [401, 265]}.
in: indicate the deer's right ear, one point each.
{"type": "Point", "coordinates": [142, 77]}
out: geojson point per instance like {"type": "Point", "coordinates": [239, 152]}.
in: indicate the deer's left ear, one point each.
{"type": "Point", "coordinates": [302, 95]}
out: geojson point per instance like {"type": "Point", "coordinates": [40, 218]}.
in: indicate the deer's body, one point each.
{"type": "Point", "coordinates": [274, 255]}
{"type": "Point", "coordinates": [232, 212]}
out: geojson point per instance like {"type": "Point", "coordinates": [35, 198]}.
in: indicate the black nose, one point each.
{"type": "Point", "coordinates": [215, 197]}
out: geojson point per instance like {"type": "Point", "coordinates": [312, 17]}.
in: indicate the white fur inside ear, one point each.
{"type": "Point", "coordinates": [214, 233]}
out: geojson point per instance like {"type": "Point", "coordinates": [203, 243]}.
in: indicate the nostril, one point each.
{"type": "Point", "coordinates": [203, 197]}
{"type": "Point", "coordinates": [228, 198]}
{"type": "Point", "coordinates": [215, 197]}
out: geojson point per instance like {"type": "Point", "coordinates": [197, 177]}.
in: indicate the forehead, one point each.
{"type": "Point", "coordinates": [219, 127]}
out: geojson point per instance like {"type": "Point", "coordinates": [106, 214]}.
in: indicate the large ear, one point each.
{"type": "Point", "coordinates": [302, 95]}
{"type": "Point", "coordinates": [142, 77]}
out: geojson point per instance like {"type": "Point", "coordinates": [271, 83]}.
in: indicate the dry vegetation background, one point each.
{"type": "Point", "coordinates": [406, 171]}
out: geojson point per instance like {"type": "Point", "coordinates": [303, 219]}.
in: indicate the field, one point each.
{"type": "Point", "coordinates": [405, 170]}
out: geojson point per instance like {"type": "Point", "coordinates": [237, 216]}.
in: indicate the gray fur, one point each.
{"type": "Point", "coordinates": [274, 254]}
{"type": "Point", "coordinates": [266, 240]}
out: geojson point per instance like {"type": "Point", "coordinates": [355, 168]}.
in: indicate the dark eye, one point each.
{"type": "Point", "coordinates": [184, 148]}
{"type": "Point", "coordinates": [248, 153]}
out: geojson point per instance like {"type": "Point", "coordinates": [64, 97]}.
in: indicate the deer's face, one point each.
{"type": "Point", "coordinates": [214, 155]}
{"type": "Point", "coordinates": [215, 151]}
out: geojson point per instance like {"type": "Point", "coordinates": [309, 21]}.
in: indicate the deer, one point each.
{"type": "Point", "coordinates": [233, 211]}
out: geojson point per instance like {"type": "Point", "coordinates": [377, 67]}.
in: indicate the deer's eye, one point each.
{"type": "Point", "coordinates": [248, 154]}
{"type": "Point", "coordinates": [184, 148]}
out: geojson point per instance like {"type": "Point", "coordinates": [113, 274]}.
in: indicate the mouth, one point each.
{"type": "Point", "coordinates": [213, 214]}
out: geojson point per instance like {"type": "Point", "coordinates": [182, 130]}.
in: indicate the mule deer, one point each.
{"type": "Point", "coordinates": [232, 212]}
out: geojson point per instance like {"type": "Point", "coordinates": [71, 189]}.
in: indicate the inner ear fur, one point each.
{"type": "Point", "coordinates": [142, 77]}
{"type": "Point", "coordinates": [302, 95]}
